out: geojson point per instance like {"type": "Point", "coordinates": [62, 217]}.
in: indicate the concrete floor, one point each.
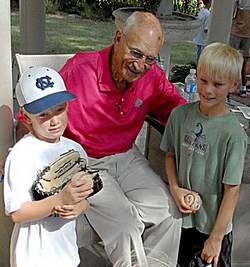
{"type": "Point", "coordinates": [94, 256]}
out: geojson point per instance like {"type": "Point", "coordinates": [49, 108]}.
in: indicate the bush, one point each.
{"type": "Point", "coordinates": [102, 9]}
{"type": "Point", "coordinates": [52, 7]}
{"type": "Point", "coordinates": [14, 4]}
{"type": "Point", "coordinates": [179, 72]}
{"type": "Point", "coordinates": [97, 9]}
{"type": "Point", "coordinates": [190, 7]}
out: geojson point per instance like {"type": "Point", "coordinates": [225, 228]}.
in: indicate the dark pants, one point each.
{"type": "Point", "coordinates": [192, 241]}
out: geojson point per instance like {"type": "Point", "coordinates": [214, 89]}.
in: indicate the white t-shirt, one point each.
{"type": "Point", "coordinates": [200, 37]}
{"type": "Point", "coordinates": [46, 242]}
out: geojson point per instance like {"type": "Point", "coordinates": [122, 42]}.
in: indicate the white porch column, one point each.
{"type": "Point", "coordinates": [165, 8]}
{"type": "Point", "coordinates": [32, 26]}
{"type": "Point", "coordinates": [6, 119]}
{"type": "Point", "coordinates": [220, 21]}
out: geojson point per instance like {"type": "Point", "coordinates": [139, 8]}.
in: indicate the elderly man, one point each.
{"type": "Point", "coordinates": [115, 88]}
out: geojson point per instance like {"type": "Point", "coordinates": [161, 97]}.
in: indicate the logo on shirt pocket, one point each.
{"type": "Point", "coordinates": [138, 103]}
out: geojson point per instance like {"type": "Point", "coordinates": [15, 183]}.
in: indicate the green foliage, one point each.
{"type": "Point", "coordinates": [98, 9]}
{"type": "Point", "coordinates": [14, 4]}
{"type": "Point", "coordinates": [102, 9]}
{"type": "Point", "coordinates": [150, 5]}
{"type": "Point", "coordinates": [190, 7]}
{"type": "Point", "coordinates": [52, 6]}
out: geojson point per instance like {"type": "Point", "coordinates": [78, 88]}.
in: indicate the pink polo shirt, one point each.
{"type": "Point", "coordinates": [103, 119]}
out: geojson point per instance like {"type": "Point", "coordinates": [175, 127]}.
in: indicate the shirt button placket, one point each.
{"type": "Point", "coordinates": [121, 107]}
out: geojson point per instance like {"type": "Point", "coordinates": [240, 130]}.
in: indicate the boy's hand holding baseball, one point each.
{"type": "Point", "coordinates": [187, 201]}
{"type": "Point", "coordinates": [75, 191]}
{"type": "Point", "coordinates": [179, 194]}
{"type": "Point", "coordinates": [193, 200]}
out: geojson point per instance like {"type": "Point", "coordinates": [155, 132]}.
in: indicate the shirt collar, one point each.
{"type": "Point", "coordinates": [105, 81]}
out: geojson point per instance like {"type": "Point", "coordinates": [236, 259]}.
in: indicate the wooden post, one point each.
{"type": "Point", "coordinates": [32, 26]}
{"type": "Point", "coordinates": [165, 8]}
{"type": "Point", "coordinates": [6, 120]}
{"type": "Point", "coordinates": [220, 21]}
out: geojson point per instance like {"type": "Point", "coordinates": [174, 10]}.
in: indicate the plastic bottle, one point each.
{"type": "Point", "coordinates": [191, 86]}
{"type": "Point", "coordinates": [161, 63]}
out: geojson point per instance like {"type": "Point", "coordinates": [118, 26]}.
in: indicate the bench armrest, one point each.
{"type": "Point", "coordinates": [152, 121]}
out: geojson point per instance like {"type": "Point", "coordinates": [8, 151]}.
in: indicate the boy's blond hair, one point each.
{"type": "Point", "coordinates": [221, 61]}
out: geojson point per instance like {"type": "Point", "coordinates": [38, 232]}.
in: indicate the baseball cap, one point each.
{"type": "Point", "coordinates": [40, 88]}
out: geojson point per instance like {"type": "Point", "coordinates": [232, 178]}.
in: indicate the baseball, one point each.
{"type": "Point", "coordinates": [194, 201]}
{"type": "Point", "coordinates": [80, 175]}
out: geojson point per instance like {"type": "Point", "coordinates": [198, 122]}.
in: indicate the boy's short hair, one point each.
{"type": "Point", "coordinates": [40, 88]}
{"type": "Point", "coordinates": [221, 61]}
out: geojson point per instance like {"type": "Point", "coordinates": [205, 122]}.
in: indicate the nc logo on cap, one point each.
{"type": "Point", "coordinates": [41, 88]}
{"type": "Point", "coordinates": [44, 82]}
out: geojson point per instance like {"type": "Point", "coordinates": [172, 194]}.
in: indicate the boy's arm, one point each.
{"type": "Point", "coordinates": [177, 192]}
{"type": "Point", "coordinates": [212, 246]}
{"type": "Point", "coordinates": [72, 211]}
{"type": "Point", "coordinates": [71, 194]}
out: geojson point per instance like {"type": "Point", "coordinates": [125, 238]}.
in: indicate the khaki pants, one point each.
{"type": "Point", "coordinates": [134, 210]}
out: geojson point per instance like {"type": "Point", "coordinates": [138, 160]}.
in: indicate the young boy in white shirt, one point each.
{"type": "Point", "coordinates": [39, 238]}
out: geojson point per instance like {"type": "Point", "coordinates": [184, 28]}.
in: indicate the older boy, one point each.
{"type": "Point", "coordinates": [206, 157]}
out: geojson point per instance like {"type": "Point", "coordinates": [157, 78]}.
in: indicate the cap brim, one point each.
{"type": "Point", "coordinates": [48, 102]}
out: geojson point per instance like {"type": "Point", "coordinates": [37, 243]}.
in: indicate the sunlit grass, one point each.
{"type": "Point", "coordinates": [182, 53]}
{"type": "Point", "coordinates": [66, 34]}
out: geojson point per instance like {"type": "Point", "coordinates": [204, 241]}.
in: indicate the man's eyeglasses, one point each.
{"type": "Point", "coordinates": [138, 55]}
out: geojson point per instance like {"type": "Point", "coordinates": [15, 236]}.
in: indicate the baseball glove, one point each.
{"type": "Point", "coordinates": [55, 176]}
{"type": "Point", "coordinates": [196, 261]}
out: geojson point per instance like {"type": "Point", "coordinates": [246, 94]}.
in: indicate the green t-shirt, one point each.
{"type": "Point", "coordinates": [210, 152]}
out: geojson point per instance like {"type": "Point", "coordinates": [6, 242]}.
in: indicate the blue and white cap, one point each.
{"type": "Point", "coordinates": [40, 88]}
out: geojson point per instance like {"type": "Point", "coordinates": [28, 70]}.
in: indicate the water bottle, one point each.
{"type": "Point", "coordinates": [161, 63]}
{"type": "Point", "coordinates": [191, 86]}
